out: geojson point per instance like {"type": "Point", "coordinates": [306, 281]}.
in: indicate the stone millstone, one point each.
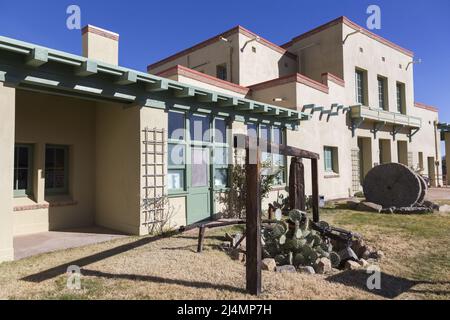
{"type": "Point", "coordinates": [424, 186]}
{"type": "Point", "coordinates": [392, 185]}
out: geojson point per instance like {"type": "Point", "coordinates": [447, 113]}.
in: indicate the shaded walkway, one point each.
{"type": "Point", "coordinates": [33, 244]}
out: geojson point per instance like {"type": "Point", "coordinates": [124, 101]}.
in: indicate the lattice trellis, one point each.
{"type": "Point", "coordinates": [356, 181]}
{"type": "Point", "coordinates": [154, 164]}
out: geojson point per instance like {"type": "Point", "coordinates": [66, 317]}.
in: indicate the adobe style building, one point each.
{"type": "Point", "coordinates": [357, 87]}
{"type": "Point", "coordinates": [85, 141]}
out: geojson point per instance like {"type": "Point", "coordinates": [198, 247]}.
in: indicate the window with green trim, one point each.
{"type": "Point", "coordinates": [221, 153]}
{"type": "Point", "coordinates": [330, 156]}
{"type": "Point", "coordinates": [56, 169]}
{"type": "Point", "coordinates": [23, 168]}
{"type": "Point", "coordinates": [176, 175]}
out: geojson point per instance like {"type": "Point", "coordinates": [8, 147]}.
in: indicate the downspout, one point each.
{"type": "Point", "coordinates": [231, 64]}
{"type": "Point", "coordinates": [436, 153]}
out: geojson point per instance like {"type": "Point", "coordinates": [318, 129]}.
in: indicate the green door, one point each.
{"type": "Point", "coordinates": [199, 192]}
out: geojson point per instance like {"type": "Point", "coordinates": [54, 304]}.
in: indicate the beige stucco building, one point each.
{"type": "Point", "coordinates": [85, 141]}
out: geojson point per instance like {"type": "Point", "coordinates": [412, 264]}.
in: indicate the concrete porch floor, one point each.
{"type": "Point", "coordinates": [33, 244]}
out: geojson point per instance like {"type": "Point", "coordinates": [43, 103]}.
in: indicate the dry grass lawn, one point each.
{"type": "Point", "coordinates": [416, 266]}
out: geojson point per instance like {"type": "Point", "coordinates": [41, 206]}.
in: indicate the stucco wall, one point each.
{"type": "Point", "coordinates": [207, 58]}
{"type": "Point", "coordinates": [117, 202]}
{"type": "Point", "coordinates": [48, 119]}
{"type": "Point", "coordinates": [7, 108]}
{"type": "Point", "coordinates": [264, 64]}
{"type": "Point", "coordinates": [319, 53]}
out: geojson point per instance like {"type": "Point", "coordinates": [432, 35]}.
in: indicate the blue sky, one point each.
{"type": "Point", "coordinates": [151, 30]}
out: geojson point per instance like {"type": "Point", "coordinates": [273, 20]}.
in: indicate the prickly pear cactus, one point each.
{"type": "Point", "coordinates": [296, 244]}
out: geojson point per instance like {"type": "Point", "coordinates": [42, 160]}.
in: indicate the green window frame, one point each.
{"type": "Point", "coordinates": [400, 97]}
{"type": "Point", "coordinates": [221, 153]}
{"type": "Point", "coordinates": [56, 169]}
{"type": "Point", "coordinates": [330, 157]}
{"type": "Point", "coordinates": [360, 86]}
{"type": "Point", "coordinates": [274, 134]}
{"type": "Point", "coordinates": [177, 147]}
{"type": "Point", "coordinates": [382, 92]}
{"type": "Point", "coordinates": [23, 170]}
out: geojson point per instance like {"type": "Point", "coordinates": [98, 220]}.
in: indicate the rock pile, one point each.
{"type": "Point", "coordinates": [294, 245]}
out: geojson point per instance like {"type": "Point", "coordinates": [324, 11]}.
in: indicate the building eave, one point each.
{"type": "Point", "coordinates": [353, 25]}
{"type": "Point", "coordinates": [59, 71]}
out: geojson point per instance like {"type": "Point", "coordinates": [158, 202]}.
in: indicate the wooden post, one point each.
{"type": "Point", "coordinates": [201, 236]}
{"type": "Point", "coordinates": [297, 184]}
{"type": "Point", "coordinates": [315, 190]}
{"type": "Point", "coordinates": [253, 222]}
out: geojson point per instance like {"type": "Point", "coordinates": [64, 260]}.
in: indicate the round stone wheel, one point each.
{"type": "Point", "coordinates": [392, 185]}
{"type": "Point", "coordinates": [424, 186]}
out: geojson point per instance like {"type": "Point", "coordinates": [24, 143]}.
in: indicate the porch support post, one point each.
{"type": "Point", "coordinates": [315, 190]}
{"type": "Point", "coordinates": [7, 127]}
{"type": "Point", "coordinates": [447, 155]}
{"type": "Point", "coordinates": [253, 220]}
{"type": "Point", "coordinates": [297, 184]}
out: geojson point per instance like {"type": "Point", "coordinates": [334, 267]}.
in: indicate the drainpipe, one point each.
{"type": "Point", "coordinates": [230, 47]}
{"type": "Point", "coordinates": [436, 153]}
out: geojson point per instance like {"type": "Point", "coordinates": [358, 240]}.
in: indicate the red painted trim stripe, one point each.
{"type": "Point", "coordinates": [331, 77]}
{"type": "Point", "coordinates": [100, 32]}
{"type": "Point", "coordinates": [205, 78]}
{"type": "Point", "coordinates": [296, 77]}
{"type": "Point", "coordinates": [352, 25]}
{"type": "Point", "coordinates": [216, 38]}
{"type": "Point", "coordinates": [425, 106]}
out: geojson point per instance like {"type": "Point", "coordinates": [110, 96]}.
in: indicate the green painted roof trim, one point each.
{"type": "Point", "coordinates": [37, 56]}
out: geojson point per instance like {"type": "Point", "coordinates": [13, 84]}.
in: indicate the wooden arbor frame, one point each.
{"type": "Point", "coordinates": [252, 147]}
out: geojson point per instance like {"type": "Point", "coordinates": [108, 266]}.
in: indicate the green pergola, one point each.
{"type": "Point", "coordinates": [28, 66]}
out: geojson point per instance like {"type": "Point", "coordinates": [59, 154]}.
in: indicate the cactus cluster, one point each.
{"type": "Point", "coordinates": [295, 243]}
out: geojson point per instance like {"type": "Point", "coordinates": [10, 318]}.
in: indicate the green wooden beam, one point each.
{"type": "Point", "coordinates": [37, 57]}
{"type": "Point", "coordinates": [209, 98]}
{"type": "Point", "coordinates": [187, 92]}
{"type": "Point", "coordinates": [87, 68]}
{"type": "Point", "coordinates": [246, 105]}
{"type": "Point", "coordinates": [159, 85]}
{"type": "Point", "coordinates": [230, 102]}
{"type": "Point", "coordinates": [260, 109]}
{"type": "Point", "coordinates": [128, 77]}
{"type": "Point", "coordinates": [285, 114]}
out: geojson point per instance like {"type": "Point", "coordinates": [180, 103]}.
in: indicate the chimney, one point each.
{"type": "Point", "coordinates": [100, 44]}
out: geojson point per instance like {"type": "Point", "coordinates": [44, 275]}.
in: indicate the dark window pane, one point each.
{"type": "Point", "coordinates": [23, 155]}
{"type": "Point", "coordinates": [252, 130]}
{"type": "Point", "coordinates": [49, 177]}
{"type": "Point", "coordinates": [176, 126]}
{"type": "Point", "coordinates": [221, 131]}
{"type": "Point", "coordinates": [59, 158]}
{"type": "Point", "coordinates": [49, 157]}
{"type": "Point", "coordinates": [199, 128]}
{"type": "Point", "coordinates": [22, 179]}
{"type": "Point", "coordinates": [59, 179]}
{"type": "Point", "coordinates": [56, 168]}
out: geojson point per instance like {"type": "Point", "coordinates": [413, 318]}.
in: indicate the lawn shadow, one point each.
{"type": "Point", "coordinates": [391, 286]}
{"type": "Point", "coordinates": [155, 279]}
{"type": "Point", "coordinates": [61, 269]}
